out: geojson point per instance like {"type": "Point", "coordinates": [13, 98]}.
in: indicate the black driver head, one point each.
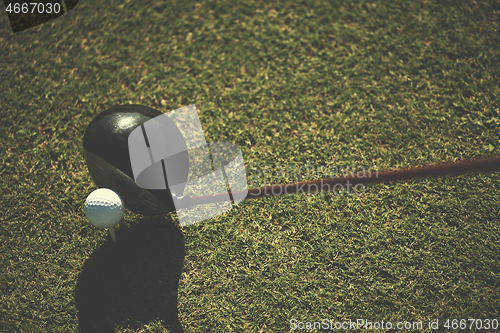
{"type": "Point", "coordinates": [106, 147]}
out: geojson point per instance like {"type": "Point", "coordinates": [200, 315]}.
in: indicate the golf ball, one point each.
{"type": "Point", "coordinates": [104, 208]}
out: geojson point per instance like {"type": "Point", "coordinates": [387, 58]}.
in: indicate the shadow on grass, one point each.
{"type": "Point", "coordinates": [133, 281]}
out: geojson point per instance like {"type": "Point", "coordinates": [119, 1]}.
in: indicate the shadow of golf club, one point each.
{"type": "Point", "coordinates": [133, 281]}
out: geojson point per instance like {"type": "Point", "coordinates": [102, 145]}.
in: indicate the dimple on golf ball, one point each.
{"type": "Point", "coordinates": [104, 208]}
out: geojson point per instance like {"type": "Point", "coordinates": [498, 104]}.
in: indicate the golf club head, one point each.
{"type": "Point", "coordinates": [107, 155]}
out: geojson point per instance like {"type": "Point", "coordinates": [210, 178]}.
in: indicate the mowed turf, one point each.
{"type": "Point", "coordinates": [294, 83]}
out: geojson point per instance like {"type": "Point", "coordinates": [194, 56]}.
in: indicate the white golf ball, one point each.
{"type": "Point", "coordinates": [104, 208]}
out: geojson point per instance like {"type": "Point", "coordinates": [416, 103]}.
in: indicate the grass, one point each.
{"type": "Point", "coordinates": [323, 83]}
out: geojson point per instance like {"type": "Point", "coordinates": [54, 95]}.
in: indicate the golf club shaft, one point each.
{"type": "Point", "coordinates": [483, 164]}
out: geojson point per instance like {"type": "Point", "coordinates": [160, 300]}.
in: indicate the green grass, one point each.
{"type": "Point", "coordinates": [386, 83]}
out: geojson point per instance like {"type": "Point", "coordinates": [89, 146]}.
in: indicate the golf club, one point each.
{"type": "Point", "coordinates": [106, 152]}
{"type": "Point", "coordinates": [107, 155]}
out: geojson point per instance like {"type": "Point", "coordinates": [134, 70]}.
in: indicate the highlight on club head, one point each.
{"type": "Point", "coordinates": [155, 161]}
